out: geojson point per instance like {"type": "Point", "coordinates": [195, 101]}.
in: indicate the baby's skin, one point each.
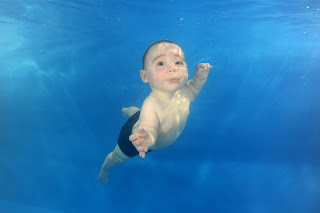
{"type": "Point", "coordinates": [165, 111]}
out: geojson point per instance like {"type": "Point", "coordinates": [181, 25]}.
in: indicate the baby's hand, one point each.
{"type": "Point", "coordinates": [202, 70]}
{"type": "Point", "coordinates": [141, 141]}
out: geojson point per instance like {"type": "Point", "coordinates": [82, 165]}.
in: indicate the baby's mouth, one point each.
{"type": "Point", "coordinates": [173, 80]}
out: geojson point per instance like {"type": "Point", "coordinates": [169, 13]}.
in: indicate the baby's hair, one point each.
{"type": "Point", "coordinates": [158, 42]}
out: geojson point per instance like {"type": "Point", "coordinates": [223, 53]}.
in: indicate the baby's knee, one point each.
{"type": "Point", "coordinates": [119, 155]}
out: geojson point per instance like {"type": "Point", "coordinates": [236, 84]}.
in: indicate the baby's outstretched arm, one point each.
{"type": "Point", "coordinates": [196, 83]}
{"type": "Point", "coordinates": [146, 135]}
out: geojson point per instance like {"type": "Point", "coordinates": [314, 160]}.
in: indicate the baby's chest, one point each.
{"type": "Point", "coordinates": [173, 119]}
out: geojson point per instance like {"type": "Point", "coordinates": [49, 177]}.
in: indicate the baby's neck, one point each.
{"type": "Point", "coordinates": [163, 95]}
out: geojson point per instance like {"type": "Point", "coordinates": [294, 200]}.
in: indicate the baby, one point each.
{"type": "Point", "coordinates": [164, 112]}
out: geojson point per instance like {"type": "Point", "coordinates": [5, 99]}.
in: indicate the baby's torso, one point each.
{"type": "Point", "coordinates": [172, 118]}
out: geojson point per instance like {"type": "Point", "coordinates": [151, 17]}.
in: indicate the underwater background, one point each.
{"type": "Point", "coordinates": [251, 142]}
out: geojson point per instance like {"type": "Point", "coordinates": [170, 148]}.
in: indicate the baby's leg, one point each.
{"type": "Point", "coordinates": [130, 111]}
{"type": "Point", "coordinates": [114, 158]}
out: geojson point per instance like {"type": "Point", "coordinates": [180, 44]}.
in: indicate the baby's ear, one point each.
{"type": "Point", "coordinates": [143, 75]}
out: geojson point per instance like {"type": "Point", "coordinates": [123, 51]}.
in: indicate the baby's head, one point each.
{"type": "Point", "coordinates": [160, 44]}
{"type": "Point", "coordinates": [164, 66]}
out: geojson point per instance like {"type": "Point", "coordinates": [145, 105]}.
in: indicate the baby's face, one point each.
{"type": "Point", "coordinates": [166, 68]}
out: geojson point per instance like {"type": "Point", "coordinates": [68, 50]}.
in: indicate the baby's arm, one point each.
{"type": "Point", "coordinates": [146, 135]}
{"type": "Point", "coordinates": [196, 83]}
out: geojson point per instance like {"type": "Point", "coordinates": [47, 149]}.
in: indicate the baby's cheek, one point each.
{"type": "Point", "coordinates": [185, 76]}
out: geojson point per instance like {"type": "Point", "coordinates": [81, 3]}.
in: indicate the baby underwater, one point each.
{"type": "Point", "coordinates": [164, 112]}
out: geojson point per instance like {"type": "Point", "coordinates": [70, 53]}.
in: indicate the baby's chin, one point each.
{"type": "Point", "coordinates": [168, 86]}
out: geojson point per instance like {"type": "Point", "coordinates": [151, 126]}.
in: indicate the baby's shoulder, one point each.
{"type": "Point", "coordinates": [185, 93]}
{"type": "Point", "coordinates": [150, 99]}
{"type": "Point", "coordinates": [150, 103]}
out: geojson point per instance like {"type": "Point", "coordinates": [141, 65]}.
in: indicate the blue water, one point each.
{"type": "Point", "coordinates": [251, 143]}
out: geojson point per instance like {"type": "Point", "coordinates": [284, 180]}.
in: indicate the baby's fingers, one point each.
{"type": "Point", "coordinates": [142, 132]}
{"type": "Point", "coordinates": [134, 137]}
{"type": "Point", "coordinates": [207, 66]}
{"type": "Point", "coordinates": [142, 154]}
{"type": "Point", "coordinates": [200, 65]}
{"type": "Point", "coordinates": [138, 142]}
{"type": "Point", "coordinates": [204, 66]}
{"type": "Point", "coordinates": [141, 149]}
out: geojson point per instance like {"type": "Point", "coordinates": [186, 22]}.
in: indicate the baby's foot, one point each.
{"type": "Point", "coordinates": [130, 111]}
{"type": "Point", "coordinates": [103, 177]}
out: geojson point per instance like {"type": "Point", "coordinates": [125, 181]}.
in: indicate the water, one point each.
{"type": "Point", "coordinates": [251, 142]}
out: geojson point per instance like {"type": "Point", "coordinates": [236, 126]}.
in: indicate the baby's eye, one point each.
{"type": "Point", "coordinates": [179, 63]}
{"type": "Point", "coordinates": [160, 63]}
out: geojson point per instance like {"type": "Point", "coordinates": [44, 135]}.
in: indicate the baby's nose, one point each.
{"type": "Point", "coordinates": [173, 68]}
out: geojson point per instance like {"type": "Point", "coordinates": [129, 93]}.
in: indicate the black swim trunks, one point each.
{"type": "Point", "coordinates": [124, 143]}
